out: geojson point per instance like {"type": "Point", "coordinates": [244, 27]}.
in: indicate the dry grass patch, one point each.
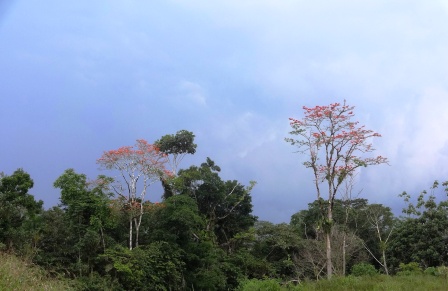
{"type": "Point", "coordinates": [15, 274]}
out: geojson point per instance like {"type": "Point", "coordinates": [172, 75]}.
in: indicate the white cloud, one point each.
{"type": "Point", "coordinates": [192, 92]}
{"type": "Point", "coordinates": [245, 133]}
{"type": "Point", "coordinates": [367, 49]}
{"type": "Point", "coordinates": [430, 135]}
{"type": "Point", "coordinates": [415, 141]}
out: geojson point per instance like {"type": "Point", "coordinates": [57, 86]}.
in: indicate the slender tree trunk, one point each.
{"type": "Point", "coordinates": [136, 235]}
{"type": "Point", "coordinates": [385, 263]}
{"type": "Point", "coordinates": [329, 264]}
{"type": "Point", "coordinates": [328, 227]}
{"type": "Point", "coordinates": [344, 246]}
{"type": "Point", "coordinates": [102, 239]}
{"type": "Point", "coordinates": [344, 253]}
{"type": "Point", "coordinates": [137, 228]}
{"type": "Point", "coordinates": [130, 233]}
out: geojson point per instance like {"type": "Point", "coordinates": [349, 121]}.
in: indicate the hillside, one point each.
{"type": "Point", "coordinates": [16, 274]}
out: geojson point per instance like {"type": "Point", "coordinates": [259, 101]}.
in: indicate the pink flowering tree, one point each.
{"type": "Point", "coordinates": [335, 146]}
{"type": "Point", "coordinates": [139, 166]}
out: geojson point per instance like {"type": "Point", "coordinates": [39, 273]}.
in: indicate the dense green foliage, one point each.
{"type": "Point", "coordinates": [19, 212]}
{"type": "Point", "coordinates": [422, 236]}
{"type": "Point", "coordinates": [203, 236]}
{"type": "Point", "coordinates": [364, 269]}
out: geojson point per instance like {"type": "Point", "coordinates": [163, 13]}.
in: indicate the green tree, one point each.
{"type": "Point", "coordinates": [422, 237]}
{"type": "Point", "coordinates": [55, 244]}
{"type": "Point", "coordinates": [353, 230]}
{"type": "Point", "coordinates": [278, 247]}
{"type": "Point", "coordinates": [178, 221]}
{"type": "Point", "coordinates": [334, 144]}
{"type": "Point", "coordinates": [177, 146]}
{"type": "Point", "coordinates": [309, 222]}
{"type": "Point", "coordinates": [157, 266]}
{"type": "Point", "coordinates": [86, 215]}
{"type": "Point", "coordinates": [19, 211]}
{"type": "Point", "coordinates": [226, 205]}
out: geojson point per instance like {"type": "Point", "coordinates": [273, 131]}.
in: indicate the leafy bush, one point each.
{"type": "Point", "coordinates": [364, 269]}
{"type": "Point", "coordinates": [260, 285]}
{"type": "Point", "coordinates": [431, 271]}
{"type": "Point", "coordinates": [409, 269]}
{"type": "Point", "coordinates": [442, 271]}
{"type": "Point", "coordinates": [157, 265]}
{"type": "Point", "coordinates": [95, 282]}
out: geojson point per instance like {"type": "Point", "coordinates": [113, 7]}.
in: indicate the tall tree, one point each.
{"type": "Point", "coordinates": [335, 146]}
{"type": "Point", "coordinates": [226, 205]}
{"type": "Point", "coordinates": [86, 215]}
{"type": "Point", "coordinates": [176, 146]}
{"type": "Point", "coordinates": [178, 221]}
{"type": "Point", "coordinates": [143, 163]}
{"type": "Point", "coordinates": [56, 251]}
{"type": "Point", "coordinates": [18, 208]}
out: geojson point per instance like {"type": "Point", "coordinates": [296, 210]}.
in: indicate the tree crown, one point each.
{"type": "Point", "coordinates": [334, 142]}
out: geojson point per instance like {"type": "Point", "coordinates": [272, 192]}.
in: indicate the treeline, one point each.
{"type": "Point", "coordinates": [203, 235]}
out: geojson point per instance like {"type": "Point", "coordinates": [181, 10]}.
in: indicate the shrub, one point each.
{"type": "Point", "coordinates": [409, 269]}
{"type": "Point", "coordinates": [442, 271]}
{"type": "Point", "coordinates": [260, 285]}
{"type": "Point", "coordinates": [364, 269]}
{"type": "Point", "coordinates": [431, 271]}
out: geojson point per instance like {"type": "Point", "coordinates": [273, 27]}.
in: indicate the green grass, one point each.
{"type": "Point", "coordinates": [16, 274]}
{"type": "Point", "coordinates": [381, 282]}
{"type": "Point", "coordinates": [350, 283]}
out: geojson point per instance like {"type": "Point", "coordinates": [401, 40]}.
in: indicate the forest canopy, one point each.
{"type": "Point", "coordinates": [106, 235]}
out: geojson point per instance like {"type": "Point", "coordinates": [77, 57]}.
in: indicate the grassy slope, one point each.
{"type": "Point", "coordinates": [15, 274]}
{"type": "Point", "coordinates": [382, 282]}
{"type": "Point", "coordinates": [376, 283]}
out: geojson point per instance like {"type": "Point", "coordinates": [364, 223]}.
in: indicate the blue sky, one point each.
{"type": "Point", "coordinates": [81, 77]}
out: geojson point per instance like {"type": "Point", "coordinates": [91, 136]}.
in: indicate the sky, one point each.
{"type": "Point", "coordinates": [78, 78]}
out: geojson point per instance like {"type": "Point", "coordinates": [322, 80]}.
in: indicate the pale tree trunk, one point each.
{"type": "Point", "coordinates": [102, 238]}
{"type": "Point", "coordinates": [344, 244]}
{"type": "Point", "coordinates": [344, 253]}
{"type": "Point", "coordinates": [329, 263]}
{"type": "Point", "coordinates": [138, 221]}
{"type": "Point", "coordinates": [136, 231]}
{"type": "Point", "coordinates": [347, 197]}
{"type": "Point", "coordinates": [383, 249]}
{"type": "Point", "coordinates": [328, 228]}
{"type": "Point", "coordinates": [132, 195]}
{"type": "Point", "coordinates": [130, 233]}
{"type": "Point", "coordinates": [385, 263]}
{"type": "Point", "coordinates": [375, 222]}
{"type": "Point", "coordinates": [137, 228]}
